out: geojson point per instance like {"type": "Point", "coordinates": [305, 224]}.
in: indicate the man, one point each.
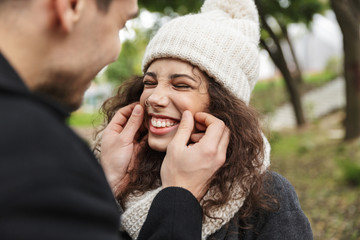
{"type": "Point", "coordinates": [51, 186]}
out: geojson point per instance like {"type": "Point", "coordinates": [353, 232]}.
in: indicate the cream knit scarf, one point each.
{"type": "Point", "coordinates": [137, 207]}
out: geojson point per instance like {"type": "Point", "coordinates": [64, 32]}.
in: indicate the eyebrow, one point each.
{"type": "Point", "coordinates": [172, 76]}
{"type": "Point", "coordinates": [151, 74]}
{"type": "Point", "coordinates": [181, 75]}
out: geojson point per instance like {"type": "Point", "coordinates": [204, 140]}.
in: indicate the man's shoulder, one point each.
{"type": "Point", "coordinates": [25, 110]}
{"type": "Point", "coordinates": [31, 119]}
{"type": "Point", "coordinates": [35, 140]}
{"type": "Point", "coordinates": [33, 128]}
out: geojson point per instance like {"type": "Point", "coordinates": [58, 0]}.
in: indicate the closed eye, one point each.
{"type": "Point", "coordinates": [149, 84]}
{"type": "Point", "coordinates": [181, 86]}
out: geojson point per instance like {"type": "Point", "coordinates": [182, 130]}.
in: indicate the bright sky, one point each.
{"type": "Point", "coordinates": [145, 20]}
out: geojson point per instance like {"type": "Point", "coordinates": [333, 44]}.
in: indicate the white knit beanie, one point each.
{"type": "Point", "coordinates": [221, 40]}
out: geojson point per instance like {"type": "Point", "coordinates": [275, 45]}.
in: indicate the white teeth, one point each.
{"type": "Point", "coordinates": [158, 124]}
{"type": "Point", "coordinates": [161, 124]}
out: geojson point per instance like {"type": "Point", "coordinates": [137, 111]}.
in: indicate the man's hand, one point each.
{"type": "Point", "coordinates": [192, 166]}
{"type": "Point", "coordinates": [119, 145]}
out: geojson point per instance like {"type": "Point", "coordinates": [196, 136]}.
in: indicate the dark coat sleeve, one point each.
{"type": "Point", "coordinates": [175, 214]}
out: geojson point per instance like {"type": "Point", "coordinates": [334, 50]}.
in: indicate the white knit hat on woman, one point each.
{"type": "Point", "coordinates": [221, 40]}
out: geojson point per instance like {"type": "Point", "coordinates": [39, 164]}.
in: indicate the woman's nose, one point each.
{"type": "Point", "coordinates": [158, 98]}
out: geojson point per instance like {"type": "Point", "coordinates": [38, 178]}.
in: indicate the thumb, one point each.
{"type": "Point", "coordinates": [134, 123]}
{"type": "Point", "coordinates": [185, 129]}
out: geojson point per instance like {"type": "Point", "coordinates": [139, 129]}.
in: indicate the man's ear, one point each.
{"type": "Point", "coordinates": [68, 12]}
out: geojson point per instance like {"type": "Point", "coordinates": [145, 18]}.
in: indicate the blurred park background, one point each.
{"type": "Point", "coordinates": [308, 97]}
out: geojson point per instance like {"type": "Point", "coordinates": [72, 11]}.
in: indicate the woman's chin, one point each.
{"type": "Point", "coordinates": [159, 146]}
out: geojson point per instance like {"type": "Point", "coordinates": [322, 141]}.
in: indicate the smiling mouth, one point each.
{"type": "Point", "coordinates": [163, 123]}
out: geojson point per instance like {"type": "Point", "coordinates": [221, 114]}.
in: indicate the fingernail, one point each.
{"type": "Point", "coordinates": [137, 109]}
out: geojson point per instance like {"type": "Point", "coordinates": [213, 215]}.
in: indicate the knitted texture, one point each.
{"type": "Point", "coordinates": [221, 40]}
{"type": "Point", "coordinates": [137, 207]}
{"type": "Point", "coordinates": [136, 211]}
{"type": "Point", "coordinates": [135, 215]}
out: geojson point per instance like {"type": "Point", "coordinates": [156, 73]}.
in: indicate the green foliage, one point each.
{"type": "Point", "coordinates": [291, 11]}
{"type": "Point", "coordinates": [285, 12]}
{"type": "Point", "coordinates": [347, 157]}
{"type": "Point", "coordinates": [180, 6]}
{"type": "Point", "coordinates": [263, 91]}
{"type": "Point", "coordinates": [274, 89]}
{"type": "Point", "coordinates": [81, 119]}
{"type": "Point", "coordinates": [130, 58]}
{"type": "Point", "coordinates": [335, 65]}
{"type": "Point", "coordinates": [320, 78]}
{"type": "Point", "coordinates": [350, 171]}
{"type": "Point", "coordinates": [129, 62]}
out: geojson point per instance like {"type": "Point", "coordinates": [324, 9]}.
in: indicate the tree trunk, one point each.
{"type": "Point", "coordinates": [291, 86]}
{"type": "Point", "coordinates": [297, 73]}
{"type": "Point", "coordinates": [348, 16]}
{"type": "Point", "coordinates": [278, 58]}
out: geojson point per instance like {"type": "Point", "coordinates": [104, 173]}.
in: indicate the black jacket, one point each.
{"type": "Point", "coordinates": [51, 185]}
{"type": "Point", "coordinates": [286, 222]}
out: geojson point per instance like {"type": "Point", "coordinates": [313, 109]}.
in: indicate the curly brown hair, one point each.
{"type": "Point", "coordinates": [243, 159]}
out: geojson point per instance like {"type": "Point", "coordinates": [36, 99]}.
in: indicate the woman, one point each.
{"type": "Point", "coordinates": [208, 62]}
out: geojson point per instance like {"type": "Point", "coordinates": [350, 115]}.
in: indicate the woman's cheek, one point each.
{"type": "Point", "coordinates": [142, 100]}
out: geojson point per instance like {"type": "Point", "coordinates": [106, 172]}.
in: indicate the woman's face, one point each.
{"type": "Point", "coordinates": [171, 86]}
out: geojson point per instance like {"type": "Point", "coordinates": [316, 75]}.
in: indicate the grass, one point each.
{"type": "Point", "coordinates": [309, 159]}
{"type": "Point", "coordinates": [81, 119]}
{"type": "Point", "coordinates": [275, 90]}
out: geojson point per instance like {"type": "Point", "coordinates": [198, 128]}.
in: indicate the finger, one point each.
{"type": "Point", "coordinates": [120, 118]}
{"type": "Point", "coordinates": [195, 137]}
{"type": "Point", "coordinates": [214, 128]}
{"type": "Point", "coordinates": [200, 127]}
{"type": "Point", "coordinates": [132, 163]}
{"type": "Point", "coordinates": [224, 143]}
{"type": "Point", "coordinates": [133, 124]}
{"type": "Point", "coordinates": [141, 132]}
{"type": "Point", "coordinates": [184, 130]}
{"type": "Point", "coordinates": [205, 119]}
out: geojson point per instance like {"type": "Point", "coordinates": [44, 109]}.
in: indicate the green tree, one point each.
{"type": "Point", "coordinates": [283, 13]}
{"type": "Point", "coordinates": [179, 6]}
{"type": "Point", "coordinates": [348, 16]}
{"type": "Point", "coordinates": [129, 60]}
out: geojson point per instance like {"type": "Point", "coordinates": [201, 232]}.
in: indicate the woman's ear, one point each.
{"type": "Point", "coordinates": [68, 12]}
